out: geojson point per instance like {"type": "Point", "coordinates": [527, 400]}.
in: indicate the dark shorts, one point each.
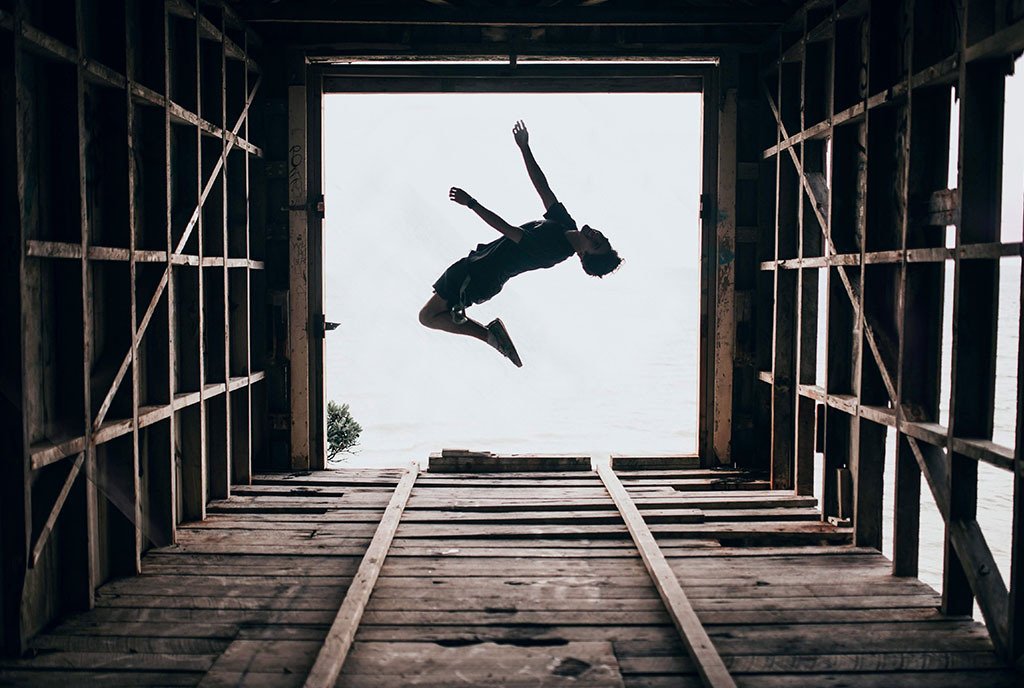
{"type": "Point", "coordinates": [464, 284]}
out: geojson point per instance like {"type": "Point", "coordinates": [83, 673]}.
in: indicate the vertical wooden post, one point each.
{"type": "Point", "coordinates": [192, 428]}
{"type": "Point", "coordinates": [975, 303]}
{"type": "Point", "coordinates": [225, 287]}
{"type": "Point", "coordinates": [725, 269]}
{"type": "Point", "coordinates": [920, 311]}
{"type": "Point", "coordinates": [1016, 606]}
{"type": "Point", "coordinates": [314, 193]}
{"type": "Point", "coordinates": [709, 211]}
{"type": "Point", "coordinates": [298, 269]}
{"type": "Point", "coordinates": [172, 349]}
{"type": "Point", "coordinates": [92, 524]}
{"type": "Point", "coordinates": [18, 511]}
{"type": "Point", "coordinates": [787, 208]}
{"type": "Point", "coordinates": [14, 466]}
{"type": "Point", "coordinates": [131, 224]}
{"type": "Point", "coordinates": [813, 108]}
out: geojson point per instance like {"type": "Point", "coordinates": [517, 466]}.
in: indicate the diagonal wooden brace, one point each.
{"type": "Point", "coordinates": [122, 370]}
{"type": "Point", "coordinates": [965, 535]}
{"type": "Point", "coordinates": [58, 506]}
{"type": "Point", "coordinates": [970, 544]}
{"type": "Point", "coordinates": [880, 343]}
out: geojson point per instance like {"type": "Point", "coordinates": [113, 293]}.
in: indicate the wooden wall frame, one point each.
{"type": "Point", "coordinates": [856, 100]}
{"type": "Point", "coordinates": [126, 176]}
{"type": "Point", "coordinates": [715, 408]}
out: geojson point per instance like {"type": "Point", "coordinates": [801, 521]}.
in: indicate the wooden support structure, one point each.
{"type": "Point", "coordinates": [331, 657]}
{"type": "Point", "coordinates": [695, 639]}
{"type": "Point", "coordinates": [879, 111]}
{"type": "Point", "coordinates": [128, 126]}
{"type": "Point", "coordinates": [162, 341]}
{"type": "Point", "coordinates": [515, 578]}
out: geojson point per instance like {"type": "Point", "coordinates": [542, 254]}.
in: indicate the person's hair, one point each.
{"type": "Point", "coordinates": [600, 264]}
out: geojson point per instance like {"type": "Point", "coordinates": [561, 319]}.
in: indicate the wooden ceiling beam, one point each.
{"type": "Point", "coordinates": [512, 16]}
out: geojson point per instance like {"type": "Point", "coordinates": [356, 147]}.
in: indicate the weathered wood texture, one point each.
{"type": "Point", "coordinates": [248, 597]}
{"type": "Point", "coordinates": [122, 185]}
{"type": "Point", "coordinates": [339, 639]}
{"type": "Point", "coordinates": [695, 639]}
{"type": "Point", "coordinates": [871, 84]}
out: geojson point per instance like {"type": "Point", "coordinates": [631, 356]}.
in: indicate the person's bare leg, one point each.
{"type": "Point", "coordinates": [436, 316]}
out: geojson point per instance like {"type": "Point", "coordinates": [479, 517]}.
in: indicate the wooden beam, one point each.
{"type": "Point", "coordinates": [1015, 611]}
{"type": "Point", "coordinates": [881, 344]}
{"type": "Point", "coordinates": [178, 249]}
{"type": "Point", "coordinates": [58, 506]}
{"type": "Point", "coordinates": [511, 16]}
{"type": "Point", "coordinates": [691, 631]}
{"type": "Point", "coordinates": [725, 281]}
{"type": "Point", "coordinates": [331, 657]}
{"type": "Point", "coordinates": [512, 84]}
{"type": "Point", "coordinates": [975, 307]}
{"type": "Point", "coordinates": [965, 537]}
{"type": "Point", "coordinates": [299, 325]}
{"type": "Point", "coordinates": [315, 228]}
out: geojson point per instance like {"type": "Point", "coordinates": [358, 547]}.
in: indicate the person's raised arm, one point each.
{"type": "Point", "coordinates": [540, 182]}
{"type": "Point", "coordinates": [462, 198]}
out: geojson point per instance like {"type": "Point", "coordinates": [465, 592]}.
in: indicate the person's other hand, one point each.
{"type": "Point", "coordinates": [459, 196]}
{"type": "Point", "coordinates": [521, 135]}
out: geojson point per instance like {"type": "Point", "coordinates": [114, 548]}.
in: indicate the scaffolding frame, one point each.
{"type": "Point", "coordinates": [134, 332]}
{"type": "Point", "coordinates": [857, 109]}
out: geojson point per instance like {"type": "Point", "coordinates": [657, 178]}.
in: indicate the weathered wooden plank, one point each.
{"type": "Point", "coordinates": [833, 663]}
{"type": "Point", "coordinates": [463, 461]}
{"type": "Point", "coordinates": [695, 638]}
{"type": "Point", "coordinates": [114, 661]}
{"type": "Point", "coordinates": [59, 679]}
{"type": "Point", "coordinates": [58, 505]}
{"type": "Point", "coordinates": [631, 462]}
{"type": "Point", "coordinates": [948, 679]}
{"type": "Point", "coordinates": [50, 642]}
{"type": "Point", "coordinates": [331, 657]}
{"type": "Point", "coordinates": [730, 640]}
{"type": "Point", "coordinates": [575, 663]}
{"type": "Point", "coordinates": [298, 271]}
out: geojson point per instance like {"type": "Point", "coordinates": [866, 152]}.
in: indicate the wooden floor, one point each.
{"type": "Point", "coordinates": [515, 579]}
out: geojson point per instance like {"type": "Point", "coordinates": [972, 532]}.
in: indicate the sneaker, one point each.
{"type": "Point", "coordinates": [498, 338]}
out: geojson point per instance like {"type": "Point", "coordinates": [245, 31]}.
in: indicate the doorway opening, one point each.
{"type": "Point", "coordinates": [610, 365]}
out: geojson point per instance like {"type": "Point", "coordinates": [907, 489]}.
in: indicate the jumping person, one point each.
{"type": "Point", "coordinates": [532, 246]}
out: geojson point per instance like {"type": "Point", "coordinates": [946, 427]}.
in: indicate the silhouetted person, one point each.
{"type": "Point", "coordinates": [532, 246]}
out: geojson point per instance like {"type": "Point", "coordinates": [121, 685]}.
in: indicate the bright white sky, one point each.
{"type": "Point", "coordinates": [609, 365]}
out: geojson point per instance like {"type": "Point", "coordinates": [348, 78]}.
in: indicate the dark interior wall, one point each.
{"type": "Point", "coordinates": [271, 118]}
{"type": "Point", "coordinates": [12, 537]}
{"type": "Point", "coordinates": [132, 296]}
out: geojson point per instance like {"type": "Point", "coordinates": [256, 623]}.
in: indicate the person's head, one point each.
{"type": "Point", "coordinates": [597, 255]}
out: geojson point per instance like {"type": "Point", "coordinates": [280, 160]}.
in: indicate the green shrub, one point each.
{"type": "Point", "coordinates": [342, 429]}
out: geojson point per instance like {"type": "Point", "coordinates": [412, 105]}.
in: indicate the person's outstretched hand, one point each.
{"type": "Point", "coordinates": [459, 196]}
{"type": "Point", "coordinates": [520, 134]}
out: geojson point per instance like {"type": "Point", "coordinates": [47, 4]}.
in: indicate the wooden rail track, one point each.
{"type": "Point", "coordinates": [517, 578]}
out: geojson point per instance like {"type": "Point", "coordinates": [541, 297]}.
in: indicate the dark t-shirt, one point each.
{"type": "Point", "coordinates": [481, 274]}
{"type": "Point", "coordinates": [542, 245]}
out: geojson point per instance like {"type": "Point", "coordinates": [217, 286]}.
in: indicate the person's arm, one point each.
{"type": "Point", "coordinates": [462, 198]}
{"type": "Point", "coordinates": [540, 182]}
